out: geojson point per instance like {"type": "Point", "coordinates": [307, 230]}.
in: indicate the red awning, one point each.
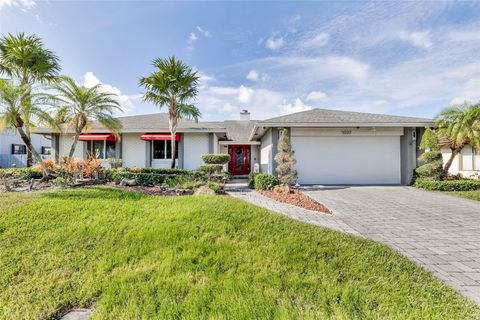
{"type": "Point", "coordinates": [159, 136]}
{"type": "Point", "coordinates": [97, 136]}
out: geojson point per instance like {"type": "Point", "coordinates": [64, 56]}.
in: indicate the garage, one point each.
{"type": "Point", "coordinates": [341, 159]}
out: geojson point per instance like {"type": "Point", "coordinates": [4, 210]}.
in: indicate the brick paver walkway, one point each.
{"type": "Point", "coordinates": [438, 231]}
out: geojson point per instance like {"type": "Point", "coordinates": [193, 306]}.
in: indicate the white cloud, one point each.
{"type": "Point", "coordinates": [317, 96]}
{"type": "Point", "coordinates": [253, 75]}
{"type": "Point", "coordinates": [469, 93]}
{"type": "Point", "coordinates": [22, 4]}
{"type": "Point", "coordinates": [204, 32]}
{"type": "Point", "coordinates": [318, 40]}
{"type": "Point", "coordinates": [296, 106]}
{"type": "Point", "coordinates": [293, 23]}
{"type": "Point", "coordinates": [418, 39]}
{"type": "Point", "coordinates": [125, 101]}
{"type": "Point", "coordinates": [274, 44]}
{"type": "Point", "coordinates": [191, 41]}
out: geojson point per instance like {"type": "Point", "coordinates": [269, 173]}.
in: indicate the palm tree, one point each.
{"type": "Point", "coordinates": [25, 60]}
{"type": "Point", "coordinates": [173, 84]}
{"type": "Point", "coordinates": [79, 106]}
{"type": "Point", "coordinates": [12, 117]}
{"type": "Point", "coordinates": [457, 127]}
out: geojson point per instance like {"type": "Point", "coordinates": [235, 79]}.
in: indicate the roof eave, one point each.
{"type": "Point", "coordinates": [346, 124]}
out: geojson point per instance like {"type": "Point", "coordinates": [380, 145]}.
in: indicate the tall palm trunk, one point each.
{"type": "Point", "coordinates": [173, 131]}
{"type": "Point", "coordinates": [34, 152]}
{"type": "Point", "coordinates": [29, 153]}
{"type": "Point", "coordinates": [455, 152]}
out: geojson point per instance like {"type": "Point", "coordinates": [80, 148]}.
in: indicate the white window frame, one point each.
{"type": "Point", "coordinates": [475, 153]}
{"type": "Point", "coordinates": [104, 149]}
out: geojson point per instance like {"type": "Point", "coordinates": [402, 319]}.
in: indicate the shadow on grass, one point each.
{"type": "Point", "coordinates": [91, 193]}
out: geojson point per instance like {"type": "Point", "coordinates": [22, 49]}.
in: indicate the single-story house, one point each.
{"type": "Point", "coordinates": [331, 146]}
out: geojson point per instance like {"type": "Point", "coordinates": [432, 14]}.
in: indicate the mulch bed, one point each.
{"type": "Point", "coordinates": [296, 198]}
{"type": "Point", "coordinates": [156, 190]}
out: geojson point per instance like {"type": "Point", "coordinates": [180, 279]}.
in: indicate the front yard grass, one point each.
{"type": "Point", "coordinates": [474, 195]}
{"type": "Point", "coordinates": [134, 256]}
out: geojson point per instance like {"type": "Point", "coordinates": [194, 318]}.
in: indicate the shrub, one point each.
{"type": "Point", "coordinates": [251, 179]}
{"type": "Point", "coordinates": [265, 181]}
{"type": "Point", "coordinates": [215, 186]}
{"type": "Point", "coordinates": [211, 168]}
{"type": "Point", "coordinates": [156, 170]}
{"type": "Point", "coordinates": [22, 173]}
{"type": "Point", "coordinates": [431, 170]}
{"type": "Point", "coordinates": [430, 156]}
{"type": "Point", "coordinates": [448, 185]}
{"type": "Point", "coordinates": [216, 158]}
{"type": "Point", "coordinates": [50, 164]}
{"type": "Point", "coordinates": [115, 162]}
{"type": "Point", "coordinates": [285, 160]}
{"type": "Point", "coordinates": [91, 167]}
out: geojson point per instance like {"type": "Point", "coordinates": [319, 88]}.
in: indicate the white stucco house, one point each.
{"type": "Point", "coordinates": [331, 147]}
{"type": "Point", "coordinates": [13, 152]}
{"type": "Point", "coordinates": [467, 163]}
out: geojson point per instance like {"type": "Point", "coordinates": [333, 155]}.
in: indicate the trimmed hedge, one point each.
{"type": "Point", "coordinates": [430, 156]}
{"type": "Point", "coordinates": [265, 181]}
{"type": "Point", "coordinates": [154, 170]}
{"type": "Point", "coordinates": [448, 185]}
{"type": "Point", "coordinates": [251, 179]}
{"type": "Point", "coordinates": [26, 173]}
{"type": "Point", "coordinates": [211, 168]}
{"type": "Point", "coordinates": [431, 170]}
{"type": "Point", "coordinates": [216, 158]}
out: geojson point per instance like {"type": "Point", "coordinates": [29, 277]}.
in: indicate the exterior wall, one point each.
{"type": "Point", "coordinates": [65, 143]}
{"type": "Point", "coordinates": [255, 157]}
{"type": "Point", "coordinates": [408, 149]}
{"type": "Point", "coordinates": [347, 155]}
{"type": "Point", "coordinates": [195, 144]}
{"type": "Point", "coordinates": [9, 137]}
{"type": "Point", "coordinates": [134, 151]}
{"type": "Point", "coordinates": [266, 153]}
{"type": "Point", "coordinates": [467, 163]}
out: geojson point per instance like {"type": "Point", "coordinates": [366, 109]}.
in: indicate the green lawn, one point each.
{"type": "Point", "coordinates": [134, 256]}
{"type": "Point", "coordinates": [474, 195]}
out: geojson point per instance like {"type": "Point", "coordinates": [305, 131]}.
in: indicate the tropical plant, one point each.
{"type": "Point", "coordinates": [12, 116]}
{"type": "Point", "coordinates": [26, 61]}
{"type": "Point", "coordinates": [285, 160]}
{"type": "Point", "coordinates": [458, 126]}
{"type": "Point", "coordinates": [173, 84]}
{"type": "Point", "coordinates": [429, 140]}
{"type": "Point", "coordinates": [79, 106]}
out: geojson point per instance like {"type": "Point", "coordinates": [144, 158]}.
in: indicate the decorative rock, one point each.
{"type": "Point", "coordinates": [204, 190]}
{"type": "Point", "coordinates": [128, 182]}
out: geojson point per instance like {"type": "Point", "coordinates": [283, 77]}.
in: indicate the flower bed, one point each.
{"type": "Point", "coordinates": [296, 198]}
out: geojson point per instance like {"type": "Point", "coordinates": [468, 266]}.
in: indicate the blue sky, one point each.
{"type": "Point", "coordinates": [404, 58]}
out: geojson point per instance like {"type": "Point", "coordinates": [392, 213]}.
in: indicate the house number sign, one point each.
{"type": "Point", "coordinates": [346, 131]}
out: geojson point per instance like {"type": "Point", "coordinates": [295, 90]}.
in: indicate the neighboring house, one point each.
{"type": "Point", "coordinates": [467, 163]}
{"type": "Point", "coordinates": [331, 147]}
{"type": "Point", "coordinates": [13, 152]}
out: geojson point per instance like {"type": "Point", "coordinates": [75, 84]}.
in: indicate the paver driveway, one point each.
{"type": "Point", "coordinates": [438, 231]}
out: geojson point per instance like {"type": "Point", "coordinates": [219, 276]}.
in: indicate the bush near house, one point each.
{"type": "Point", "coordinates": [432, 169]}
{"type": "Point", "coordinates": [251, 179]}
{"type": "Point", "coordinates": [265, 181]}
{"type": "Point", "coordinates": [216, 158]}
{"type": "Point", "coordinates": [156, 176]}
{"type": "Point", "coordinates": [448, 185]}
{"type": "Point", "coordinates": [22, 173]}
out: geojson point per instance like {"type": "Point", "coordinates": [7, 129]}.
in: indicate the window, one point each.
{"type": "Point", "coordinates": [469, 159]}
{"type": "Point", "coordinates": [101, 147]}
{"type": "Point", "coordinates": [19, 149]}
{"type": "Point", "coordinates": [46, 151]}
{"type": "Point", "coordinates": [162, 149]}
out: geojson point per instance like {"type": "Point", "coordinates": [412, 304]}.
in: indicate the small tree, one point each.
{"type": "Point", "coordinates": [285, 160]}
{"type": "Point", "coordinates": [429, 140]}
{"type": "Point", "coordinates": [432, 168]}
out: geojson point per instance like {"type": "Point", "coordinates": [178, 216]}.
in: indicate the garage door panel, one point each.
{"type": "Point", "coordinates": [347, 160]}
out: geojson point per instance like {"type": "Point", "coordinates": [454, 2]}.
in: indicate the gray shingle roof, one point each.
{"type": "Point", "coordinates": [239, 130]}
{"type": "Point", "coordinates": [325, 116]}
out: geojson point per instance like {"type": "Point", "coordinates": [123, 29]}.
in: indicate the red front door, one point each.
{"type": "Point", "coordinates": [239, 159]}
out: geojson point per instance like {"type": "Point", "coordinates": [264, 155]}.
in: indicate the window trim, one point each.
{"type": "Point", "coordinates": [22, 147]}
{"type": "Point", "coordinates": [43, 150]}
{"type": "Point", "coordinates": [91, 151]}
{"type": "Point", "coordinates": [166, 142]}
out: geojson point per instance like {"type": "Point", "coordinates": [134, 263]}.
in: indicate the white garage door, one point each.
{"type": "Point", "coordinates": [347, 160]}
